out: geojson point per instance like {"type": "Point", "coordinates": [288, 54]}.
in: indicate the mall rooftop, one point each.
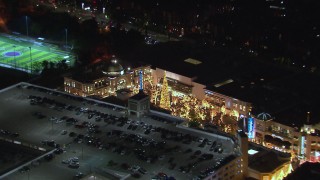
{"type": "Point", "coordinates": [268, 86]}
{"type": "Point", "coordinates": [266, 160]}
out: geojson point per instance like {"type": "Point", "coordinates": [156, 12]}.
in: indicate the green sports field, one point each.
{"type": "Point", "coordinates": [26, 53]}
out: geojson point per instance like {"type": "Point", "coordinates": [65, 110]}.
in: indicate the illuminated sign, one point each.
{"type": "Point", "coordinates": [302, 145]}
{"type": "Point", "coordinates": [275, 136]}
{"type": "Point", "coordinates": [141, 79]}
{"type": "Point", "coordinates": [250, 128]}
{"type": "Point", "coordinates": [252, 151]}
{"type": "Point", "coordinates": [208, 92]}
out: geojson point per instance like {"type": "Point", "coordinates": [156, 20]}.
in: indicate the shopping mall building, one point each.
{"type": "Point", "coordinates": [289, 134]}
{"type": "Point", "coordinates": [302, 140]}
{"type": "Point", "coordinates": [110, 76]}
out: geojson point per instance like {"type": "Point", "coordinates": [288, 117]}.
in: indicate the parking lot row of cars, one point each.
{"type": "Point", "coordinates": [7, 133]}
{"type": "Point", "coordinates": [68, 96]}
{"type": "Point", "coordinates": [165, 134]}
{"type": "Point", "coordinates": [101, 130]}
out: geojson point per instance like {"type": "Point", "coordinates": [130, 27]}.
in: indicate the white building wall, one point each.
{"type": "Point", "coordinates": [198, 90]}
{"type": "Point", "coordinates": [158, 74]}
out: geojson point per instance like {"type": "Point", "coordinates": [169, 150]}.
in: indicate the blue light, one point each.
{"type": "Point", "coordinates": [250, 128]}
{"type": "Point", "coordinates": [141, 80]}
{"type": "Point", "coordinates": [302, 145]}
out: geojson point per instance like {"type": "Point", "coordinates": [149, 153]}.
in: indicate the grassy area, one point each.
{"type": "Point", "coordinates": [23, 53]}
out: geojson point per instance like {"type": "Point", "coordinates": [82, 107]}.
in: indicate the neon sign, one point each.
{"type": "Point", "coordinates": [302, 145]}
{"type": "Point", "coordinates": [250, 128]}
{"type": "Point", "coordinates": [141, 80]}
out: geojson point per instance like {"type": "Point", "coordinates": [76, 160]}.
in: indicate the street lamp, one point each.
{"type": "Point", "coordinates": [30, 60]}
{"type": "Point", "coordinates": [14, 57]}
{"type": "Point", "coordinates": [27, 26]}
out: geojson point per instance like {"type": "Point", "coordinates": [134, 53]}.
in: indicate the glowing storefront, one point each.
{"type": "Point", "coordinates": [104, 79]}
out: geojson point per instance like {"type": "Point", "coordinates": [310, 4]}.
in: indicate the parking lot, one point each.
{"type": "Point", "coordinates": [97, 137]}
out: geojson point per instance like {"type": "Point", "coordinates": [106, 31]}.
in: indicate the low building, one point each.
{"type": "Point", "coordinates": [266, 164]}
{"type": "Point", "coordinates": [139, 104]}
{"type": "Point", "coordinates": [306, 171]}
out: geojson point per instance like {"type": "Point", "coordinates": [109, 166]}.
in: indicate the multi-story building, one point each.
{"type": "Point", "coordinates": [104, 79]}
{"type": "Point", "coordinates": [107, 77]}
{"type": "Point", "coordinates": [288, 134]}
{"type": "Point", "coordinates": [302, 140]}
{"type": "Point", "coordinates": [182, 85]}
{"type": "Point", "coordinates": [267, 164]}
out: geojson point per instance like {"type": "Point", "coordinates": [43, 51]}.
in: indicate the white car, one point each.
{"type": "Point", "coordinates": [64, 132]}
{"type": "Point", "coordinates": [74, 159]}
{"type": "Point", "coordinates": [53, 118]}
{"type": "Point", "coordinates": [59, 121]}
{"type": "Point", "coordinates": [201, 139]}
{"type": "Point", "coordinates": [134, 168]}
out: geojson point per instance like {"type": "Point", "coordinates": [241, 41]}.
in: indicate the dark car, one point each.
{"type": "Point", "coordinates": [58, 151]}
{"type": "Point", "coordinates": [197, 152]}
{"type": "Point", "coordinates": [72, 134]}
{"type": "Point", "coordinates": [49, 157]}
{"type": "Point", "coordinates": [188, 150]}
{"type": "Point", "coordinates": [15, 135]}
{"type": "Point", "coordinates": [24, 169]}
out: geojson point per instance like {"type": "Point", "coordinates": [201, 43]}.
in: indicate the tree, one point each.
{"type": "Point", "coordinates": [165, 98]}
{"type": "Point", "coordinates": [62, 65]}
{"type": "Point", "coordinates": [194, 123]}
{"type": "Point", "coordinates": [193, 115]}
{"type": "Point", "coordinates": [37, 66]}
{"type": "Point", "coordinates": [45, 64]}
{"type": "Point", "coordinates": [51, 65]}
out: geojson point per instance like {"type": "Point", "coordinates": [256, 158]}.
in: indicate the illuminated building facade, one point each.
{"type": "Point", "coordinates": [180, 86]}
{"type": "Point", "coordinates": [268, 166]}
{"type": "Point", "coordinates": [185, 96]}
{"type": "Point", "coordinates": [303, 142]}
{"type": "Point", "coordinates": [165, 98]}
{"type": "Point", "coordinates": [105, 78]}
{"type": "Point", "coordinates": [110, 76]}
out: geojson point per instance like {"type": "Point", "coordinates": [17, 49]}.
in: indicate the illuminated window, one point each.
{"type": "Point", "coordinates": [265, 178]}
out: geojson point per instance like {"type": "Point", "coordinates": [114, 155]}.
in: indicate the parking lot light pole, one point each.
{"type": "Point", "coordinates": [27, 26]}
{"type": "Point", "coordinates": [30, 60]}
{"type": "Point", "coordinates": [14, 57]}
